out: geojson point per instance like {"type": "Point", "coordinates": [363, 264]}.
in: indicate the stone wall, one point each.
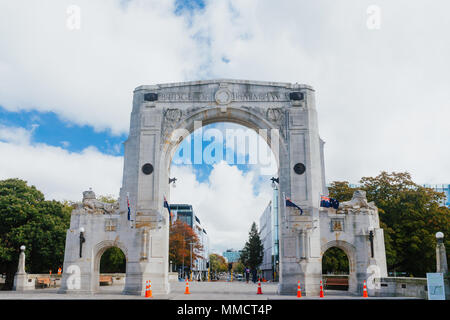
{"type": "Point", "coordinates": [405, 287]}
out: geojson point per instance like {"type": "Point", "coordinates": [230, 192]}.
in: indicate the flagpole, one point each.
{"type": "Point", "coordinates": [284, 206]}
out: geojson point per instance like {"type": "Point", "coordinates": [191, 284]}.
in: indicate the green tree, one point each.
{"type": "Point", "coordinates": [217, 263]}
{"type": "Point", "coordinates": [410, 216]}
{"type": "Point", "coordinates": [238, 267]}
{"type": "Point", "coordinates": [341, 190]}
{"type": "Point", "coordinates": [113, 261]}
{"type": "Point", "coordinates": [26, 218]}
{"type": "Point", "coordinates": [252, 254]}
{"type": "Point", "coordinates": [335, 261]}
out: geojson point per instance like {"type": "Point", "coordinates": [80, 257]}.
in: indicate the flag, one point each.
{"type": "Point", "coordinates": [334, 203]}
{"type": "Point", "coordinates": [325, 202]}
{"type": "Point", "coordinates": [328, 202]}
{"type": "Point", "coordinates": [166, 205]}
{"type": "Point", "coordinates": [129, 210]}
{"type": "Point", "coordinates": [289, 203]}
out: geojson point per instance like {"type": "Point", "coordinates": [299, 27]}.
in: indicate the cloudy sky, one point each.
{"type": "Point", "coordinates": [380, 70]}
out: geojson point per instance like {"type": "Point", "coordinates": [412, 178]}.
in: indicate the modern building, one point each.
{"type": "Point", "coordinates": [232, 255]}
{"type": "Point", "coordinates": [444, 188]}
{"type": "Point", "coordinates": [268, 223]}
{"type": "Point", "coordinates": [185, 213]}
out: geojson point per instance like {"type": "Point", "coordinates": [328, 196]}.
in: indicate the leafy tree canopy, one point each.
{"type": "Point", "coordinates": [410, 216]}
{"type": "Point", "coordinates": [217, 263]}
{"type": "Point", "coordinates": [26, 218]}
{"type": "Point", "coordinates": [180, 235]}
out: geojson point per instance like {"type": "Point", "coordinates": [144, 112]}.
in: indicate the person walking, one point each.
{"type": "Point", "coordinates": [254, 276]}
{"type": "Point", "coordinates": [247, 274]}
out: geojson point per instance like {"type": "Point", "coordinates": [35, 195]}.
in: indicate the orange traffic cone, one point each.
{"type": "Point", "coordinates": [59, 271]}
{"type": "Point", "coordinates": [187, 287]}
{"type": "Point", "coordinates": [365, 290]}
{"type": "Point", "coordinates": [259, 287]}
{"type": "Point", "coordinates": [321, 290]}
{"type": "Point", "coordinates": [148, 289]}
{"type": "Point", "coordinates": [299, 291]}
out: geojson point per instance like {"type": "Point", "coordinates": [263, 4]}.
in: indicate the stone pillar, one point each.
{"type": "Point", "coordinates": [21, 278]}
{"type": "Point", "coordinates": [441, 255]}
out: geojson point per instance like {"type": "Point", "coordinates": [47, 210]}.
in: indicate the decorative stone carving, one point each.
{"type": "Point", "coordinates": [171, 118]}
{"type": "Point", "coordinates": [172, 115]}
{"type": "Point", "coordinates": [359, 200]}
{"type": "Point", "coordinates": [223, 96]}
{"type": "Point", "coordinates": [91, 205]}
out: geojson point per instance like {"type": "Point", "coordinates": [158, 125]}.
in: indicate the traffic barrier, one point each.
{"type": "Point", "coordinates": [321, 295]}
{"type": "Point", "coordinates": [259, 287]}
{"type": "Point", "coordinates": [186, 291]}
{"type": "Point", "coordinates": [148, 289]}
{"type": "Point", "coordinates": [365, 290]}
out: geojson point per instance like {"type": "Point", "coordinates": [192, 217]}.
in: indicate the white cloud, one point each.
{"type": "Point", "coordinates": [382, 95]}
{"type": "Point", "coordinates": [16, 135]}
{"type": "Point", "coordinates": [88, 75]}
{"type": "Point", "coordinates": [226, 204]}
{"type": "Point", "coordinates": [59, 174]}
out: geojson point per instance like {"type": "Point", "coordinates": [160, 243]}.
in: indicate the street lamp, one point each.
{"type": "Point", "coordinates": [82, 240]}
{"type": "Point", "coordinates": [439, 237]}
{"type": "Point", "coordinates": [173, 180]}
{"type": "Point", "coordinates": [191, 244]}
{"type": "Point", "coordinates": [277, 180]}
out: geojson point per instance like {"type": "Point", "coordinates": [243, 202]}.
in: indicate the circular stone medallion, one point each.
{"type": "Point", "coordinates": [299, 168]}
{"type": "Point", "coordinates": [147, 168]}
{"type": "Point", "coordinates": [223, 96]}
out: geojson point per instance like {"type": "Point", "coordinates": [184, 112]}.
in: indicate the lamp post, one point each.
{"type": "Point", "coordinates": [191, 244]}
{"type": "Point", "coordinates": [172, 180]}
{"type": "Point", "coordinates": [82, 240]}
{"type": "Point", "coordinates": [277, 180]}
{"type": "Point", "coordinates": [371, 241]}
{"type": "Point", "coordinates": [441, 256]}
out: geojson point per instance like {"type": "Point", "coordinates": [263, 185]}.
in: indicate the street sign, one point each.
{"type": "Point", "coordinates": [435, 284]}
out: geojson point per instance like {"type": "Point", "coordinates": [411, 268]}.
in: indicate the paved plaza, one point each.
{"type": "Point", "coordinates": [216, 290]}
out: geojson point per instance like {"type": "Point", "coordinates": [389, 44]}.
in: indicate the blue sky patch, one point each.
{"type": "Point", "coordinates": [49, 128]}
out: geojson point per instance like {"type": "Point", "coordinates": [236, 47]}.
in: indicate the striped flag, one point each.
{"type": "Point", "coordinates": [289, 203]}
{"type": "Point", "coordinates": [166, 205]}
{"type": "Point", "coordinates": [128, 205]}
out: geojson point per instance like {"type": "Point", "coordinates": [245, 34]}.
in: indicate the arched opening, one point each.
{"type": "Point", "coordinates": [223, 171]}
{"type": "Point", "coordinates": [110, 268]}
{"type": "Point", "coordinates": [335, 269]}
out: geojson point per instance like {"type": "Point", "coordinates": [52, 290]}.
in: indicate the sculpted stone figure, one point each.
{"type": "Point", "coordinates": [91, 205]}
{"type": "Point", "coordinates": [359, 200]}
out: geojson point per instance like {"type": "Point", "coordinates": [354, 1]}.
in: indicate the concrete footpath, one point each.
{"type": "Point", "coordinates": [198, 291]}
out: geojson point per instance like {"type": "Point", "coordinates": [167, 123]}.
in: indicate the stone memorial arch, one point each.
{"type": "Point", "coordinates": [284, 114]}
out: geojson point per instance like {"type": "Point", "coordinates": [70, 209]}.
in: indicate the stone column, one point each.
{"type": "Point", "coordinates": [21, 278]}
{"type": "Point", "coordinates": [441, 255]}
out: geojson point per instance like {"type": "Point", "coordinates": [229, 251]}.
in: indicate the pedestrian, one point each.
{"type": "Point", "coordinates": [247, 274]}
{"type": "Point", "coordinates": [254, 276]}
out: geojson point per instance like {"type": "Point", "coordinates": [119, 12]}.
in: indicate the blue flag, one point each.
{"type": "Point", "coordinates": [129, 211]}
{"type": "Point", "coordinates": [166, 205]}
{"type": "Point", "coordinates": [289, 203]}
{"type": "Point", "coordinates": [328, 202]}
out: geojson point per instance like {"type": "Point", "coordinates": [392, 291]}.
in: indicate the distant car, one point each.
{"type": "Point", "coordinates": [239, 277]}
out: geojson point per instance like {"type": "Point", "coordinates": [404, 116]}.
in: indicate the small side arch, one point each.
{"type": "Point", "coordinates": [99, 250]}
{"type": "Point", "coordinates": [350, 250]}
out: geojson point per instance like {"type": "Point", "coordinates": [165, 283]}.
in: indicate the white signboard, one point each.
{"type": "Point", "coordinates": [436, 289]}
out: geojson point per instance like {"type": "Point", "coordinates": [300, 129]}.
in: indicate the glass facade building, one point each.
{"type": "Point", "coordinates": [268, 223]}
{"type": "Point", "coordinates": [445, 189]}
{"type": "Point", "coordinates": [232, 255]}
{"type": "Point", "coordinates": [185, 213]}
